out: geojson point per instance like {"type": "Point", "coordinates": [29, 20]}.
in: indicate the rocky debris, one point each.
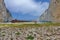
{"type": "Point", "coordinates": [36, 33]}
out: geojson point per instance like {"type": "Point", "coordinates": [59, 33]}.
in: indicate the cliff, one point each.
{"type": "Point", "coordinates": [53, 12]}
{"type": "Point", "coordinates": [4, 14]}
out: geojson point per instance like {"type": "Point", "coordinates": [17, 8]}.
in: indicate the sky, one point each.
{"type": "Point", "coordinates": [26, 9]}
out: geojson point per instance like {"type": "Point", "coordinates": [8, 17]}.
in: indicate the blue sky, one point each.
{"type": "Point", "coordinates": [26, 9]}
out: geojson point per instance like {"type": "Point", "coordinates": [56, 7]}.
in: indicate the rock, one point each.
{"type": "Point", "coordinates": [53, 12]}
{"type": "Point", "coordinates": [4, 14]}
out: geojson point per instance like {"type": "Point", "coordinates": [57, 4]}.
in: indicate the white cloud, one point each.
{"type": "Point", "coordinates": [27, 6]}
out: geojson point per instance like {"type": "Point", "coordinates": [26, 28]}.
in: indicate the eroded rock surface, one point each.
{"type": "Point", "coordinates": [53, 12]}
{"type": "Point", "coordinates": [4, 15]}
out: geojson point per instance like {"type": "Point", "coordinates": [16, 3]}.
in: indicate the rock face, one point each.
{"type": "Point", "coordinates": [53, 12]}
{"type": "Point", "coordinates": [45, 17]}
{"type": "Point", "coordinates": [4, 14]}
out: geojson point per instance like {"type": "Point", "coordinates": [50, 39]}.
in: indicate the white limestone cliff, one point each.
{"type": "Point", "coordinates": [53, 12]}
{"type": "Point", "coordinates": [4, 15]}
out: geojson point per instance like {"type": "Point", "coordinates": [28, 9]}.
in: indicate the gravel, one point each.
{"type": "Point", "coordinates": [29, 33]}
